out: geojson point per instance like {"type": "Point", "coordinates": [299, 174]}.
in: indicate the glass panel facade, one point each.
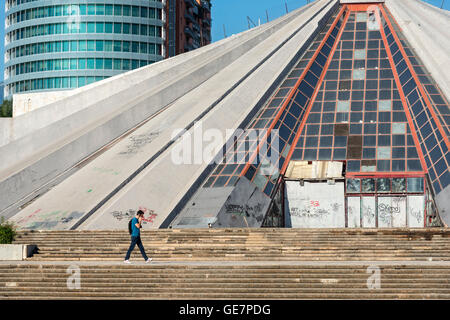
{"type": "Point", "coordinates": [35, 49]}
{"type": "Point", "coordinates": [359, 99]}
{"type": "Point", "coordinates": [425, 104]}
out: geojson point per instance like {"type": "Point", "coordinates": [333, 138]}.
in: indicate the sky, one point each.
{"type": "Point", "coordinates": [230, 15]}
{"type": "Point", "coordinates": [233, 13]}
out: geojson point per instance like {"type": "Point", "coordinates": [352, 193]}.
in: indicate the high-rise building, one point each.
{"type": "Point", "coordinates": [1, 91]}
{"type": "Point", "coordinates": [188, 25]}
{"type": "Point", "coordinates": [53, 46]}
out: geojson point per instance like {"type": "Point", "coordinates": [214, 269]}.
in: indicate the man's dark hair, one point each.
{"type": "Point", "coordinates": [140, 213]}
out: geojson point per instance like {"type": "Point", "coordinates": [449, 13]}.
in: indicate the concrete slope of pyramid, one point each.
{"type": "Point", "coordinates": [357, 88]}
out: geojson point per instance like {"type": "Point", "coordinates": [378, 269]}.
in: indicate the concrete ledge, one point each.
{"type": "Point", "coordinates": [14, 252]}
{"type": "Point", "coordinates": [27, 102]}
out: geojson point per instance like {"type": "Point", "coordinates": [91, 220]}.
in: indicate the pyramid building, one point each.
{"type": "Point", "coordinates": [338, 113]}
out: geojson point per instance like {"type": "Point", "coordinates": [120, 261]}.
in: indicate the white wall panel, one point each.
{"type": "Point", "coordinates": [315, 205]}
{"type": "Point", "coordinates": [354, 212]}
{"type": "Point", "coordinates": [368, 212]}
{"type": "Point", "coordinates": [416, 211]}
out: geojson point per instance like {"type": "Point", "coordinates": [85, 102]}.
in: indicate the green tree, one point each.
{"type": "Point", "coordinates": [7, 232]}
{"type": "Point", "coordinates": [6, 108]}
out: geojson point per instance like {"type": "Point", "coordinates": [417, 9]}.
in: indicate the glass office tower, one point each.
{"type": "Point", "coordinates": [60, 44]}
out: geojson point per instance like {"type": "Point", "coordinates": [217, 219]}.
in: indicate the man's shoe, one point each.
{"type": "Point", "coordinates": [149, 260]}
{"type": "Point", "coordinates": [127, 261]}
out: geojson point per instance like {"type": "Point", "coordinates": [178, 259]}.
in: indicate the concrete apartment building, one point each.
{"type": "Point", "coordinates": [188, 25]}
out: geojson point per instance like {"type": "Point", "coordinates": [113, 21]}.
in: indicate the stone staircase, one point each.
{"type": "Point", "coordinates": [234, 264]}
{"type": "Point", "coordinates": [223, 282]}
{"type": "Point", "coordinates": [246, 244]}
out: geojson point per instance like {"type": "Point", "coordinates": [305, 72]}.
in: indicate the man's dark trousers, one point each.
{"type": "Point", "coordinates": [136, 241]}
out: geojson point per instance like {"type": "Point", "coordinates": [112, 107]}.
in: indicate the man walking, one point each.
{"type": "Point", "coordinates": [136, 225]}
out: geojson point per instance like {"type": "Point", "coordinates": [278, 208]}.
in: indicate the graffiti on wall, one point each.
{"type": "Point", "coordinates": [310, 205]}
{"type": "Point", "coordinates": [389, 209]}
{"type": "Point", "coordinates": [49, 220]}
{"type": "Point", "coordinates": [243, 210]}
{"type": "Point", "coordinates": [309, 212]}
{"type": "Point", "coordinates": [137, 142]}
{"type": "Point", "coordinates": [368, 215]}
{"type": "Point", "coordinates": [149, 215]}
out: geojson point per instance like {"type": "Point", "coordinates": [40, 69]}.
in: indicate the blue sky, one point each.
{"type": "Point", "coordinates": [231, 13]}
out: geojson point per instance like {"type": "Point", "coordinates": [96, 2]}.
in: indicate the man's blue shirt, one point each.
{"type": "Point", "coordinates": [135, 231]}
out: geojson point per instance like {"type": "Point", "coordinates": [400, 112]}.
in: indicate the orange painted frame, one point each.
{"type": "Point", "coordinates": [360, 6]}
{"type": "Point", "coordinates": [416, 79]}
{"type": "Point", "coordinates": [313, 98]}
{"type": "Point", "coordinates": [403, 99]}
{"type": "Point", "coordinates": [293, 90]}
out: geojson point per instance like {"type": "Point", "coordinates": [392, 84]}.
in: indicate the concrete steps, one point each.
{"type": "Point", "coordinates": [234, 264]}
{"type": "Point", "coordinates": [246, 244]}
{"type": "Point", "coordinates": [223, 282]}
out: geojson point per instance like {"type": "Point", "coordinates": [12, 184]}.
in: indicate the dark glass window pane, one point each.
{"type": "Point", "coordinates": [356, 129]}
{"type": "Point", "coordinates": [384, 128]}
{"type": "Point", "coordinates": [384, 117]}
{"type": "Point", "coordinates": [311, 142]}
{"type": "Point", "coordinates": [384, 140]}
{"type": "Point", "coordinates": [327, 129]}
{"type": "Point", "coordinates": [415, 185]}
{"type": "Point", "coordinates": [398, 153]}
{"type": "Point", "coordinates": [398, 140]}
{"type": "Point", "coordinates": [370, 128]}
{"type": "Point", "coordinates": [353, 186]}
{"type": "Point", "coordinates": [445, 179]}
{"type": "Point", "coordinates": [368, 185]}
{"type": "Point", "coordinates": [356, 117]}
{"type": "Point", "coordinates": [383, 185]}
{"type": "Point", "coordinates": [370, 141]}
{"type": "Point", "coordinates": [328, 118]}
{"type": "Point", "coordinates": [325, 154]}
{"type": "Point", "coordinates": [250, 173]}
{"type": "Point", "coordinates": [339, 154]}
{"type": "Point", "coordinates": [310, 154]}
{"type": "Point", "coordinates": [297, 154]}
{"type": "Point", "coordinates": [437, 187]}
{"type": "Point", "coordinates": [353, 166]}
{"type": "Point", "coordinates": [312, 118]}
{"type": "Point", "coordinates": [440, 167]}
{"type": "Point", "coordinates": [369, 153]}
{"type": "Point", "coordinates": [370, 116]}
{"type": "Point", "coordinates": [371, 105]}
{"type": "Point", "coordinates": [398, 165]}
{"type": "Point", "coordinates": [344, 95]}
{"type": "Point", "coordinates": [221, 181]}
{"type": "Point", "coordinates": [414, 165]}
{"type": "Point", "coordinates": [326, 141]}
{"type": "Point", "coordinates": [372, 63]}
{"type": "Point", "coordinates": [383, 165]}
{"type": "Point", "coordinates": [357, 106]}
{"type": "Point", "coordinates": [340, 141]}
{"type": "Point", "coordinates": [341, 117]}
{"type": "Point", "coordinates": [398, 185]}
